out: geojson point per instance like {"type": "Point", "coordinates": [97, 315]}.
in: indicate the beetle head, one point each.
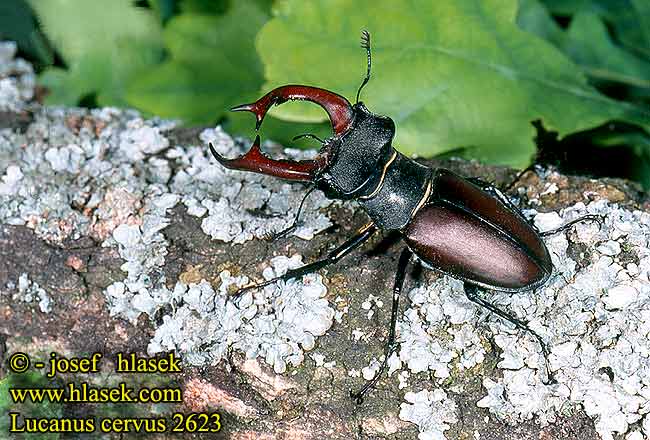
{"type": "Point", "coordinates": [346, 163]}
{"type": "Point", "coordinates": [358, 155]}
{"type": "Point", "coordinates": [346, 166]}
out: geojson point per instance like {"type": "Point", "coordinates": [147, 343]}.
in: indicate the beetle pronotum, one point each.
{"type": "Point", "coordinates": [465, 228]}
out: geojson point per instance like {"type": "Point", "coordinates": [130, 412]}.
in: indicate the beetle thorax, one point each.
{"type": "Point", "coordinates": [357, 157]}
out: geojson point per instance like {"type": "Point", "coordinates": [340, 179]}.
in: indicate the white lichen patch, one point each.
{"type": "Point", "coordinates": [143, 247]}
{"type": "Point", "coordinates": [29, 291]}
{"type": "Point", "coordinates": [371, 370]}
{"type": "Point", "coordinates": [17, 79]}
{"type": "Point", "coordinates": [594, 315]}
{"type": "Point", "coordinates": [428, 341]}
{"type": "Point", "coordinates": [277, 323]}
{"type": "Point", "coordinates": [432, 411]}
{"type": "Point", "coordinates": [66, 176]}
{"type": "Point", "coordinates": [107, 160]}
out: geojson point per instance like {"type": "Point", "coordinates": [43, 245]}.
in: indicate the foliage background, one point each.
{"type": "Point", "coordinates": [461, 77]}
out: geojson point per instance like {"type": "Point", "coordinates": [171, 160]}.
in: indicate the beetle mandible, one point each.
{"type": "Point", "coordinates": [465, 228]}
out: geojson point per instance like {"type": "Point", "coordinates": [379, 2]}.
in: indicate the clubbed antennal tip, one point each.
{"type": "Point", "coordinates": [365, 39]}
{"type": "Point", "coordinates": [365, 43]}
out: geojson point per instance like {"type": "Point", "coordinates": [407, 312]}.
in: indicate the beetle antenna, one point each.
{"type": "Point", "coordinates": [365, 43]}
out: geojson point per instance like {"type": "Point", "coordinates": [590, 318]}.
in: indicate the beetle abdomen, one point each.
{"type": "Point", "coordinates": [460, 192]}
{"type": "Point", "coordinates": [459, 243]}
{"type": "Point", "coordinates": [470, 234]}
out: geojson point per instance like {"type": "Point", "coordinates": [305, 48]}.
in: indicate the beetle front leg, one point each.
{"type": "Point", "coordinates": [296, 219]}
{"type": "Point", "coordinates": [471, 291]}
{"type": "Point", "coordinates": [364, 234]}
{"type": "Point", "coordinates": [400, 276]}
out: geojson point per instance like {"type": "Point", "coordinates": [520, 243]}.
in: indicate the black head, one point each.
{"type": "Point", "coordinates": [356, 157]}
{"type": "Point", "coordinates": [349, 162]}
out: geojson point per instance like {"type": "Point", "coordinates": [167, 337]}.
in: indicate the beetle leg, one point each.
{"type": "Point", "coordinates": [364, 234]}
{"type": "Point", "coordinates": [544, 141]}
{"type": "Point", "coordinates": [486, 186]}
{"type": "Point", "coordinates": [564, 227]}
{"type": "Point", "coordinates": [471, 291]}
{"type": "Point", "coordinates": [294, 225]}
{"type": "Point", "coordinates": [518, 177]}
{"type": "Point", "coordinates": [400, 276]}
{"type": "Point", "coordinates": [493, 190]}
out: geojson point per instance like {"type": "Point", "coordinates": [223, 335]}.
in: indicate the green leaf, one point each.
{"type": "Point", "coordinates": [164, 9]}
{"type": "Point", "coordinates": [533, 17]}
{"type": "Point", "coordinates": [17, 23]}
{"type": "Point", "coordinates": [450, 73]}
{"type": "Point", "coordinates": [210, 7]}
{"type": "Point", "coordinates": [588, 44]}
{"type": "Point", "coordinates": [604, 8]}
{"type": "Point", "coordinates": [218, 7]}
{"type": "Point", "coordinates": [278, 130]}
{"type": "Point", "coordinates": [103, 47]}
{"type": "Point", "coordinates": [64, 87]}
{"type": "Point", "coordinates": [629, 18]}
{"type": "Point", "coordinates": [639, 37]}
{"type": "Point", "coordinates": [213, 66]}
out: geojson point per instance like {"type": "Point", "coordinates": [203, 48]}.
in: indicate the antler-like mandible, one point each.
{"type": "Point", "coordinates": [337, 107]}
{"type": "Point", "coordinates": [256, 161]}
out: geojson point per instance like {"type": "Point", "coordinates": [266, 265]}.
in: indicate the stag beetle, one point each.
{"type": "Point", "coordinates": [465, 228]}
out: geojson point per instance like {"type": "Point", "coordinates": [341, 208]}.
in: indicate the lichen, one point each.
{"type": "Point", "coordinates": [143, 247]}
{"type": "Point", "coordinates": [277, 323]}
{"type": "Point", "coordinates": [241, 206]}
{"type": "Point", "coordinates": [28, 291]}
{"type": "Point", "coordinates": [103, 186]}
{"type": "Point", "coordinates": [17, 79]}
{"type": "Point", "coordinates": [432, 411]}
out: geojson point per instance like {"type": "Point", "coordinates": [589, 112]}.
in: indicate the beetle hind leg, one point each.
{"type": "Point", "coordinates": [391, 344]}
{"type": "Point", "coordinates": [566, 226]}
{"type": "Point", "coordinates": [471, 291]}
{"type": "Point", "coordinates": [519, 176]}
